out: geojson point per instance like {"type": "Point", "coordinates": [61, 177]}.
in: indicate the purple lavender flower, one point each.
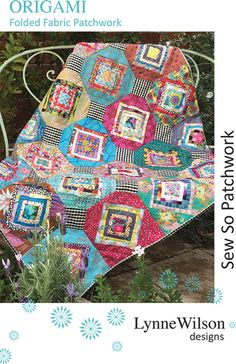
{"type": "Point", "coordinates": [19, 259]}
{"type": "Point", "coordinates": [6, 266]}
{"type": "Point", "coordinates": [70, 290]}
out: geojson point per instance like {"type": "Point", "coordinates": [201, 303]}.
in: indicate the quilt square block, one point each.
{"type": "Point", "coordinates": [79, 257]}
{"type": "Point", "coordinates": [125, 171]}
{"type": "Point", "coordinates": [173, 98]}
{"type": "Point", "coordinates": [175, 194]}
{"type": "Point", "coordinates": [152, 57]}
{"type": "Point", "coordinates": [44, 162]}
{"type": "Point", "coordinates": [170, 100]}
{"type": "Point", "coordinates": [156, 158]}
{"type": "Point", "coordinates": [7, 170]}
{"type": "Point", "coordinates": [203, 170]}
{"type": "Point", "coordinates": [107, 76]}
{"type": "Point", "coordinates": [119, 225]}
{"type": "Point", "coordinates": [62, 98]}
{"type": "Point", "coordinates": [189, 134]}
{"type": "Point", "coordinates": [29, 208]}
{"type": "Point", "coordinates": [194, 137]}
{"type": "Point", "coordinates": [82, 186]}
{"type": "Point", "coordinates": [130, 123]}
{"type": "Point", "coordinates": [87, 144]}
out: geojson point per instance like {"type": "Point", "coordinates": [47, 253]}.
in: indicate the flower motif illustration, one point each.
{"type": "Point", "coordinates": [90, 328]}
{"type": "Point", "coordinates": [5, 356]}
{"type": "Point", "coordinates": [168, 279]}
{"type": "Point", "coordinates": [5, 198]}
{"type": "Point", "coordinates": [139, 250]}
{"type": "Point", "coordinates": [29, 306]}
{"type": "Point", "coordinates": [14, 335]}
{"type": "Point", "coordinates": [117, 346]}
{"type": "Point", "coordinates": [116, 317]}
{"type": "Point", "coordinates": [192, 284]}
{"type": "Point", "coordinates": [214, 295]}
{"type": "Point", "coordinates": [61, 317]}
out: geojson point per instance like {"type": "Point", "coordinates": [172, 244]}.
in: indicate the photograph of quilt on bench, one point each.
{"type": "Point", "coordinates": [116, 152]}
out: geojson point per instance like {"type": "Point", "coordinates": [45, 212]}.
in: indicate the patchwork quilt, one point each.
{"type": "Point", "coordinates": [114, 159]}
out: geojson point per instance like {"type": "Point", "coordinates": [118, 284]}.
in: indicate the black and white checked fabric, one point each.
{"type": "Point", "coordinates": [75, 218]}
{"type": "Point", "coordinates": [124, 155]}
{"type": "Point", "coordinates": [201, 155]}
{"type": "Point", "coordinates": [163, 133]}
{"type": "Point", "coordinates": [167, 173]}
{"type": "Point", "coordinates": [39, 180]}
{"type": "Point", "coordinates": [124, 185]}
{"type": "Point", "coordinates": [52, 136]}
{"type": "Point", "coordinates": [84, 170]}
{"type": "Point", "coordinates": [96, 111]}
{"type": "Point", "coordinates": [120, 46]}
{"type": "Point", "coordinates": [141, 87]}
{"type": "Point", "coordinates": [74, 63]}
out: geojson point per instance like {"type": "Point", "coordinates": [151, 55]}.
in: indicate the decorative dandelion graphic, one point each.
{"type": "Point", "coordinates": [117, 346]}
{"type": "Point", "coordinates": [5, 356]}
{"type": "Point", "coordinates": [14, 335]}
{"type": "Point", "coordinates": [29, 306]}
{"type": "Point", "coordinates": [168, 279]}
{"type": "Point", "coordinates": [90, 328]}
{"type": "Point", "coordinates": [192, 284]}
{"type": "Point", "coordinates": [61, 317]}
{"type": "Point", "coordinates": [214, 295]}
{"type": "Point", "coordinates": [116, 317]}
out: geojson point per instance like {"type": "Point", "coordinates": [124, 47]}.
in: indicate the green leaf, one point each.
{"type": "Point", "coordinates": [17, 68]}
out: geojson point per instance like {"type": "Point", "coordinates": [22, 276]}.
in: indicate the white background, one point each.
{"type": "Point", "coordinates": [40, 342]}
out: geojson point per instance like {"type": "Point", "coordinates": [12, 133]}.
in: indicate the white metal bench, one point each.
{"type": "Point", "coordinates": [30, 54]}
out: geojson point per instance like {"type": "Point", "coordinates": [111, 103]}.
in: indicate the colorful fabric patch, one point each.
{"type": "Point", "coordinates": [130, 123]}
{"type": "Point", "coordinates": [44, 163]}
{"type": "Point", "coordinates": [151, 57]}
{"type": "Point", "coordinates": [8, 170]}
{"type": "Point", "coordinates": [107, 76]}
{"type": "Point", "coordinates": [195, 138]}
{"type": "Point", "coordinates": [204, 170]}
{"type": "Point", "coordinates": [84, 49]}
{"type": "Point", "coordinates": [173, 194]}
{"type": "Point", "coordinates": [158, 155]}
{"type": "Point", "coordinates": [29, 208]}
{"type": "Point", "coordinates": [124, 171]}
{"type": "Point", "coordinates": [189, 134]}
{"type": "Point", "coordinates": [81, 186]}
{"type": "Point", "coordinates": [34, 129]}
{"type": "Point", "coordinates": [173, 98]}
{"type": "Point", "coordinates": [62, 98]}
{"type": "Point", "coordinates": [119, 225]}
{"type": "Point", "coordinates": [87, 144]}
{"type": "Point", "coordinates": [170, 100]}
{"type": "Point", "coordinates": [151, 61]}
{"type": "Point", "coordinates": [78, 257]}
{"type": "Point", "coordinates": [157, 158]}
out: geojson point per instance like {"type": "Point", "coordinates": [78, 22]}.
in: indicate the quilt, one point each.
{"type": "Point", "coordinates": [115, 158]}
